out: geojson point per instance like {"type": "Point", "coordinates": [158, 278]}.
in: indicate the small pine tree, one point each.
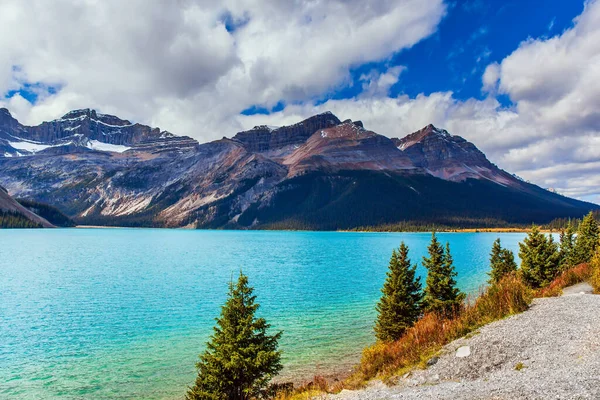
{"type": "Point", "coordinates": [400, 303]}
{"type": "Point", "coordinates": [441, 294]}
{"type": "Point", "coordinates": [567, 243]}
{"type": "Point", "coordinates": [241, 358]}
{"type": "Point", "coordinates": [587, 239]}
{"type": "Point", "coordinates": [502, 262]}
{"type": "Point", "coordinates": [539, 258]}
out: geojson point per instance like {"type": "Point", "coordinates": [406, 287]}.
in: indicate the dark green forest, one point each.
{"type": "Point", "coordinates": [11, 220]}
{"type": "Point", "coordinates": [48, 212]}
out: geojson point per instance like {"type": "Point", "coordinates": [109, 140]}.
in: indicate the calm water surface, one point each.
{"type": "Point", "coordinates": [123, 313]}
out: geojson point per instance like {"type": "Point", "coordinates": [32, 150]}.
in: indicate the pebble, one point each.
{"type": "Point", "coordinates": [464, 351]}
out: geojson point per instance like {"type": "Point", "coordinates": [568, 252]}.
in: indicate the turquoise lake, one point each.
{"type": "Point", "coordinates": [124, 313]}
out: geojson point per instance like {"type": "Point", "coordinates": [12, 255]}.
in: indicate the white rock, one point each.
{"type": "Point", "coordinates": [464, 351]}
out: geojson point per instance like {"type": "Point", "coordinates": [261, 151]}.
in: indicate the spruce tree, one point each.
{"type": "Point", "coordinates": [400, 303]}
{"type": "Point", "coordinates": [502, 262]}
{"type": "Point", "coordinates": [587, 239]}
{"type": "Point", "coordinates": [567, 243]}
{"type": "Point", "coordinates": [539, 258]}
{"type": "Point", "coordinates": [241, 358]}
{"type": "Point", "coordinates": [441, 294]}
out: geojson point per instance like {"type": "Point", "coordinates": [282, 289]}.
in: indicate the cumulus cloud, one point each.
{"type": "Point", "coordinates": [189, 66]}
{"type": "Point", "coordinates": [490, 78]}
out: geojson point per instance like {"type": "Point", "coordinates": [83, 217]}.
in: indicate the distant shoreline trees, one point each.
{"type": "Point", "coordinates": [14, 220]}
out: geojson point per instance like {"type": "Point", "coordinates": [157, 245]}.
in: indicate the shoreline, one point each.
{"type": "Point", "coordinates": [457, 230]}
{"type": "Point", "coordinates": [512, 357]}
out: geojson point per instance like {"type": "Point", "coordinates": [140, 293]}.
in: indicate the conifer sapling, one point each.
{"type": "Point", "coordinates": [441, 294]}
{"type": "Point", "coordinates": [400, 303]}
{"type": "Point", "coordinates": [240, 358]}
{"type": "Point", "coordinates": [502, 262]}
{"type": "Point", "coordinates": [587, 239]}
{"type": "Point", "coordinates": [540, 258]}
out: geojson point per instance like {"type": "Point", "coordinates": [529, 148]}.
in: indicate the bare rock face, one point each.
{"type": "Point", "coordinates": [263, 138]}
{"type": "Point", "coordinates": [7, 121]}
{"type": "Point", "coordinates": [89, 124]}
{"type": "Point", "coordinates": [347, 146]}
{"type": "Point", "coordinates": [449, 157]}
{"type": "Point", "coordinates": [82, 130]}
{"type": "Point", "coordinates": [317, 174]}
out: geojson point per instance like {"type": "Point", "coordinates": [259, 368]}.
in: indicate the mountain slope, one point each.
{"type": "Point", "coordinates": [317, 174]}
{"type": "Point", "coordinates": [13, 214]}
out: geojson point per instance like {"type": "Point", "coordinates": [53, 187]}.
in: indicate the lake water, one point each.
{"type": "Point", "coordinates": [124, 313]}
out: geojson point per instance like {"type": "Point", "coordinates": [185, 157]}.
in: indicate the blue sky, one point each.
{"type": "Point", "coordinates": [473, 34]}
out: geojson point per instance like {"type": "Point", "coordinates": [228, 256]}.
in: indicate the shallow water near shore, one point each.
{"type": "Point", "coordinates": [124, 313]}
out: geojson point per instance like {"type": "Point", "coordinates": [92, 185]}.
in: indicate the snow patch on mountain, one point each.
{"type": "Point", "coordinates": [100, 146]}
{"type": "Point", "coordinates": [31, 147]}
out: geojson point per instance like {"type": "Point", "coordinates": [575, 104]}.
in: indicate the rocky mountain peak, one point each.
{"type": "Point", "coordinates": [94, 116]}
{"type": "Point", "coordinates": [84, 129]}
{"type": "Point", "coordinates": [84, 112]}
{"type": "Point", "coordinates": [430, 132]}
{"type": "Point", "coordinates": [264, 138]}
{"type": "Point", "coordinates": [7, 121]}
{"type": "Point", "coordinates": [448, 156]}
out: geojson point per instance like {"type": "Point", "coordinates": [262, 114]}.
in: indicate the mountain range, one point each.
{"type": "Point", "coordinates": [321, 173]}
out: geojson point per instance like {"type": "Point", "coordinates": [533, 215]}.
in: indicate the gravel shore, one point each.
{"type": "Point", "coordinates": [551, 351]}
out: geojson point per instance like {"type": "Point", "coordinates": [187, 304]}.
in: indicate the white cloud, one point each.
{"type": "Point", "coordinates": [490, 78]}
{"type": "Point", "coordinates": [378, 84]}
{"type": "Point", "coordinates": [175, 65]}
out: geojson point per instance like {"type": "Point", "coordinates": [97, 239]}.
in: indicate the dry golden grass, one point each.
{"type": "Point", "coordinates": [430, 333]}
{"type": "Point", "coordinates": [572, 276]}
{"type": "Point", "coordinates": [595, 271]}
{"type": "Point", "coordinates": [426, 338]}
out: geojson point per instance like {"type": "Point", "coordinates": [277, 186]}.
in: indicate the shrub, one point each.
{"type": "Point", "coordinates": [539, 258]}
{"type": "Point", "coordinates": [595, 271]}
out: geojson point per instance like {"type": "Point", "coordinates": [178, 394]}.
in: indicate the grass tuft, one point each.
{"type": "Point", "coordinates": [595, 272]}
{"type": "Point", "coordinates": [519, 366]}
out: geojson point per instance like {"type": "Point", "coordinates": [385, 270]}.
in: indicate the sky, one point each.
{"type": "Point", "coordinates": [519, 78]}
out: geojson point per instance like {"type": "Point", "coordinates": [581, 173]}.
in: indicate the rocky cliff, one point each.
{"type": "Point", "coordinates": [80, 130]}
{"type": "Point", "coordinates": [317, 174]}
{"type": "Point", "coordinates": [263, 138]}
